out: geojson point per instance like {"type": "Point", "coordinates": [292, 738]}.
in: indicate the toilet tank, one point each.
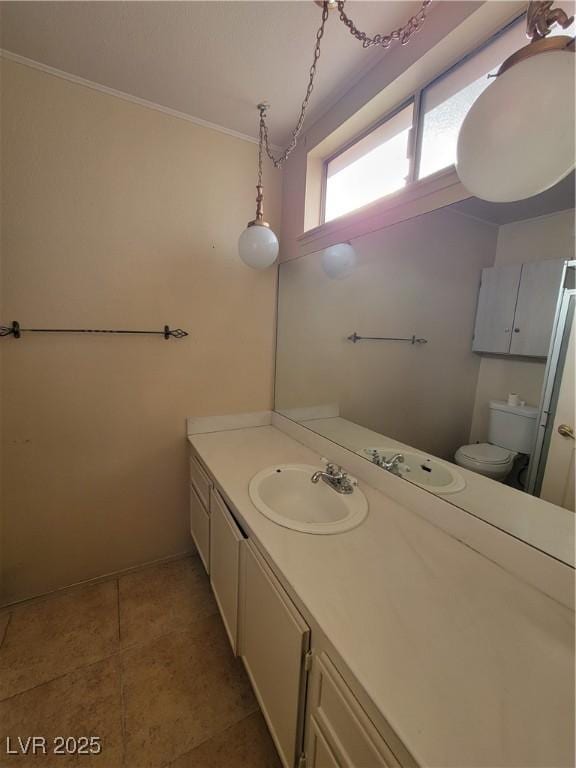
{"type": "Point", "coordinates": [512, 426]}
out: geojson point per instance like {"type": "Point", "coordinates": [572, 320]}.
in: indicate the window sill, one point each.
{"type": "Point", "coordinates": [436, 191]}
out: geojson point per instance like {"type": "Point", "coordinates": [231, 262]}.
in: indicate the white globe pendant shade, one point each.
{"type": "Point", "coordinates": [338, 260]}
{"type": "Point", "coordinates": [517, 140]}
{"type": "Point", "coordinates": [258, 246]}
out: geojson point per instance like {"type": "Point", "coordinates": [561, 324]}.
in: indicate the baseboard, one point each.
{"type": "Point", "coordinates": [96, 580]}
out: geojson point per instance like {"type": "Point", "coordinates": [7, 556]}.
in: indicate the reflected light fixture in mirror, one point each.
{"type": "Point", "coordinates": [339, 260]}
{"type": "Point", "coordinates": [517, 140]}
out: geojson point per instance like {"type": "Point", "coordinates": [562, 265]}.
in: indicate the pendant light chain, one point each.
{"type": "Point", "coordinates": [403, 34]}
{"type": "Point", "coordinates": [259, 188]}
{"type": "Point", "coordinates": [279, 161]}
{"type": "Point", "coordinates": [262, 108]}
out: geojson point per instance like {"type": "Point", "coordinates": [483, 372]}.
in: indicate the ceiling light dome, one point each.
{"type": "Point", "coordinates": [338, 260]}
{"type": "Point", "coordinates": [517, 140]}
{"type": "Point", "coordinates": [258, 246]}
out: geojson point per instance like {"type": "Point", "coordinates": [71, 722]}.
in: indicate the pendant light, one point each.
{"type": "Point", "coordinates": [258, 245]}
{"type": "Point", "coordinates": [517, 140]}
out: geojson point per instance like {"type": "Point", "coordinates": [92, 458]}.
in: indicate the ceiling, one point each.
{"type": "Point", "coordinates": [559, 198]}
{"type": "Point", "coordinates": [210, 60]}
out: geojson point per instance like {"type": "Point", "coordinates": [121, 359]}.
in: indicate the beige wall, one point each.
{"type": "Point", "coordinates": [116, 215]}
{"type": "Point", "coordinates": [419, 277]}
{"type": "Point", "coordinates": [547, 237]}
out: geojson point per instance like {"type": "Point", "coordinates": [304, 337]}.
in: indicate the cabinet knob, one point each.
{"type": "Point", "coordinates": [516, 330]}
{"type": "Point", "coordinates": [506, 330]}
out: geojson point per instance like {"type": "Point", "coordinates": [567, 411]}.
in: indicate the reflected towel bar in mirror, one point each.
{"type": "Point", "coordinates": [413, 339]}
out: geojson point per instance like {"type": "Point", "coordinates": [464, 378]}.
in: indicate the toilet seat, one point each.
{"type": "Point", "coordinates": [486, 459]}
{"type": "Point", "coordinates": [485, 453]}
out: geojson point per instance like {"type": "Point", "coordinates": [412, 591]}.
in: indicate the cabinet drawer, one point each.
{"type": "Point", "coordinates": [321, 754]}
{"type": "Point", "coordinates": [200, 481]}
{"type": "Point", "coordinates": [200, 527]}
{"type": "Point", "coordinates": [225, 542]}
{"type": "Point", "coordinates": [350, 733]}
{"type": "Point", "coordinates": [274, 639]}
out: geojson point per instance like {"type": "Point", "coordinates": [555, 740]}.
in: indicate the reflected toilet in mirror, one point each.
{"type": "Point", "coordinates": [446, 342]}
{"type": "Point", "coordinates": [511, 436]}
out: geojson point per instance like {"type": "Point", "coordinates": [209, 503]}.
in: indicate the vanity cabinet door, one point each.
{"type": "Point", "coordinates": [200, 527]}
{"type": "Point", "coordinates": [496, 307]}
{"type": "Point", "coordinates": [225, 542]}
{"type": "Point", "coordinates": [321, 754]}
{"type": "Point", "coordinates": [274, 640]}
{"type": "Point", "coordinates": [348, 732]}
{"type": "Point", "coordinates": [536, 308]}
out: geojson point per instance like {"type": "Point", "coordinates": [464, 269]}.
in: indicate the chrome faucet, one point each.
{"type": "Point", "coordinates": [390, 465]}
{"type": "Point", "coordinates": [335, 477]}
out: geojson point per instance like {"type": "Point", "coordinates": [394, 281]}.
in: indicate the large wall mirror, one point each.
{"type": "Point", "coordinates": [441, 348]}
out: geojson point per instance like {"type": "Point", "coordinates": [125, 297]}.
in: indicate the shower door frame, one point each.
{"type": "Point", "coordinates": [554, 367]}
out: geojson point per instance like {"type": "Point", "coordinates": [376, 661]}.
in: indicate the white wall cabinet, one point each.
{"type": "Point", "coordinates": [274, 642]}
{"type": "Point", "coordinates": [516, 307]}
{"type": "Point", "coordinates": [536, 308]}
{"type": "Point", "coordinates": [225, 542]}
{"type": "Point", "coordinates": [496, 306]}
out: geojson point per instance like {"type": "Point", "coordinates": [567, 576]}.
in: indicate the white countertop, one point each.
{"type": "Point", "coordinates": [469, 665]}
{"type": "Point", "coordinates": [543, 525]}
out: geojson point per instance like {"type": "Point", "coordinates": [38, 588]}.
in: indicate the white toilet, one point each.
{"type": "Point", "coordinates": [511, 431]}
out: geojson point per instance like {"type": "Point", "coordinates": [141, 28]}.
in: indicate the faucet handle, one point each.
{"type": "Point", "coordinates": [336, 471]}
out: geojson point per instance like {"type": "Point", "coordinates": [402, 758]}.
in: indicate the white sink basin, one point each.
{"type": "Point", "coordinates": [286, 495]}
{"type": "Point", "coordinates": [423, 470]}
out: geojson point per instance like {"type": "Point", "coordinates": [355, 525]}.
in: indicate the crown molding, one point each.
{"type": "Point", "coordinates": [10, 56]}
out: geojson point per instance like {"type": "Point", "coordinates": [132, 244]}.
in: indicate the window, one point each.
{"type": "Point", "coordinates": [446, 102]}
{"type": "Point", "coordinates": [374, 166]}
{"type": "Point", "coordinates": [382, 161]}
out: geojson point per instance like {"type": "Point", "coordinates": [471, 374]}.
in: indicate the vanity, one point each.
{"type": "Point", "coordinates": [388, 643]}
{"type": "Point", "coordinates": [424, 616]}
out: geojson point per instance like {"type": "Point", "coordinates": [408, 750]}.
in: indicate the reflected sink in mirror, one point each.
{"type": "Point", "coordinates": [425, 471]}
{"type": "Point", "coordinates": [286, 495]}
{"type": "Point", "coordinates": [490, 287]}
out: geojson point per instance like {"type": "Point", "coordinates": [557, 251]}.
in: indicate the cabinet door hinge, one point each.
{"type": "Point", "coordinates": [307, 661]}
{"type": "Point", "coordinates": [302, 760]}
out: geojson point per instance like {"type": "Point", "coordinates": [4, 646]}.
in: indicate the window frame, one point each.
{"type": "Point", "coordinates": [416, 98]}
{"type": "Point", "coordinates": [358, 137]}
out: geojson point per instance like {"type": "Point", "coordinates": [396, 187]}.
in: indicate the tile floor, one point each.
{"type": "Point", "coordinates": [141, 661]}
